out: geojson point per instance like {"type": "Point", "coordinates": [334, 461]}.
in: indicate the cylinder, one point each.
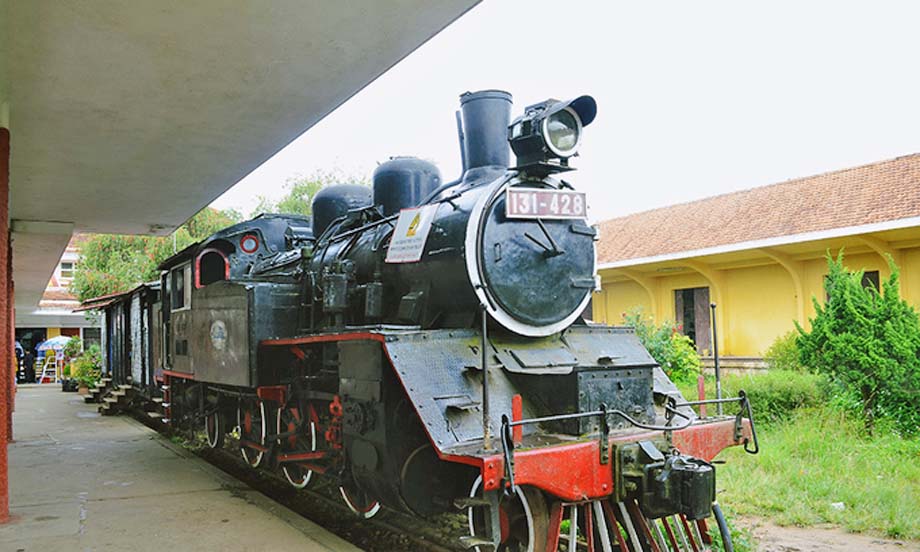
{"type": "Point", "coordinates": [333, 202]}
{"type": "Point", "coordinates": [403, 182]}
{"type": "Point", "coordinates": [486, 115]}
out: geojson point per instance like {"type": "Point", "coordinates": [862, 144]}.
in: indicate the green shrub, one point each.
{"type": "Point", "coordinates": [869, 342]}
{"type": "Point", "coordinates": [784, 354]}
{"type": "Point", "coordinates": [73, 347]}
{"type": "Point", "coordinates": [674, 351]}
{"type": "Point", "coordinates": [88, 366]}
{"type": "Point", "coordinates": [775, 394]}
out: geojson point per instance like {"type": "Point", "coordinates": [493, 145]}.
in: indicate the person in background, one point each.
{"type": "Point", "coordinates": [29, 363]}
{"type": "Point", "coordinates": [19, 355]}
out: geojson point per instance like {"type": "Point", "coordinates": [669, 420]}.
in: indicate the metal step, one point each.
{"type": "Point", "coordinates": [468, 542]}
{"type": "Point", "coordinates": [110, 400]}
{"type": "Point", "coordinates": [157, 399]}
{"type": "Point", "coordinates": [469, 502]}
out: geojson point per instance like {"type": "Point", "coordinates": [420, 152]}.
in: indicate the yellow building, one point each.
{"type": "Point", "coordinates": [759, 253]}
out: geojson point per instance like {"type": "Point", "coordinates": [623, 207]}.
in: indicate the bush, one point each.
{"type": "Point", "coordinates": [776, 394]}
{"type": "Point", "coordinates": [674, 351]}
{"type": "Point", "coordinates": [88, 366]}
{"type": "Point", "coordinates": [868, 341]}
{"type": "Point", "coordinates": [784, 354]}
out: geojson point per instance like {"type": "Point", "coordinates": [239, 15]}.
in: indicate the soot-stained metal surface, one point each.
{"type": "Point", "coordinates": [585, 365]}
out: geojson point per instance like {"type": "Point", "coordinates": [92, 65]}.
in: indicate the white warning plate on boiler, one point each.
{"type": "Point", "coordinates": [411, 232]}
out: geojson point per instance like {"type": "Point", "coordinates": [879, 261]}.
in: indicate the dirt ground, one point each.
{"type": "Point", "coordinates": [773, 538]}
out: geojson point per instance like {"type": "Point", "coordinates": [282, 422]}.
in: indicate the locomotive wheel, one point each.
{"type": "Point", "coordinates": [358, 502]}
{"type": "Point", "coordinates": [523, 517]}
{"type": "Point", "coordinates": [288, 420]}
{"type": "Point", "coordinates": [607, 525]}
{"type": "Point", "coordinates": [250, 415]}
{"type": "Point", "coordinates": [214, 430]}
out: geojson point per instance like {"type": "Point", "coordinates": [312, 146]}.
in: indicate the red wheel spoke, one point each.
{"type": "Point", "coordinates": [693, 544]}
{"type": "Point", "coordinates": [589, 526]}
{"type": "Point", "coordinates": [670, 532]}
{"type": "Point", "coordinates": [614, 525]}
{"type": "Point", "coordinates": [555, 526]}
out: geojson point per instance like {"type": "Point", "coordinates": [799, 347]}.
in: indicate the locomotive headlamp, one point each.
{"type": "Point", "coordinates": [549, 133]}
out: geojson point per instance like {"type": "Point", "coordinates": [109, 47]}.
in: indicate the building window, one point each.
{"type": "Point", "coordinates": [92, 336]}
{"type": "Point", "coordinates": [691, 311]}
{"type": "Point", "coordinates": [870, 279]}
{"type": "Point", "coordinates": [67, 270]}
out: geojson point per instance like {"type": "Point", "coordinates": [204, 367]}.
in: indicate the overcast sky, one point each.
{"type": "Point", "coordinates": [694, 98]}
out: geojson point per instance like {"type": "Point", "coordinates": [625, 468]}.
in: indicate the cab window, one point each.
{"type": "Point", "coordinates": [180, 287]}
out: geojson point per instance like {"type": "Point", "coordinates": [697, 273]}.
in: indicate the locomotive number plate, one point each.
{"type": "Point", "coordinates": [548, 204]}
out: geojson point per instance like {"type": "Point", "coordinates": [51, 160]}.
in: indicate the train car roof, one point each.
{"type": "Point", "coordinates": [271, 226]}
{"type": "Point", "coordinates": [103, 301]}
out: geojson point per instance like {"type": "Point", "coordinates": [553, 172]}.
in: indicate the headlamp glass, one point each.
{"type": "Point", "coordinates": [562, 131]}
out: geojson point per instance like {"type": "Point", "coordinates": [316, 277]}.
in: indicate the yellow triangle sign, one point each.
{"type": "Point", "coordinates": [413, 226]}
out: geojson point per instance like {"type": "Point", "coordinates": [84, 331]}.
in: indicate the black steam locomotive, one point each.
{"type": "Point", "coordinates": [423, 344]}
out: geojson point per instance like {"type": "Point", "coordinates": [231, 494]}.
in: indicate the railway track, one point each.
{"type": "Point", "coordinates": [388, 531]}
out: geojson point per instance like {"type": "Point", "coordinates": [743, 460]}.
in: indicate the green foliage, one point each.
{"type": "Point", "coordinates": [775, 394]}
{"type": "Point", "coordinates": [674, 351]}
{"type": "Point", "coordinates": [72, 348]}
{"type": "Point", "coordinates": [868, 342]}
{"type": "Point", "coordinates": [88, 366]}
{"type": "Point", "coordinates": [113, 263]}
{"type": "Point", "coordinates": [742, 539]}
{"type": "Point", "coordinates": [819, 457]}
{"type": "Point", "coordinates": [783, 354]}
{"type": "Point", "coordinates": [299, 192]}
{"type": "Point", "coordinates": [209, 220]}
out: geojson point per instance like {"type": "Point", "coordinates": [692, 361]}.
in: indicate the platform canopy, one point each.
{"type": "Point", "coordinates": [129, 117]}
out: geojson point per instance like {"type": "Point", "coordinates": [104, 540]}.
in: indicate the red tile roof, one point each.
{"type": "Point", "coordinates": [875, 193]}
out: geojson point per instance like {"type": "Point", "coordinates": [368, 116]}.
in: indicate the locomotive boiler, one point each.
{"type": "Point", "coordinates": [423, 344]}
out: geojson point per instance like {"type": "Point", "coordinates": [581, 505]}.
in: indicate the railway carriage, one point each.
{"type": "Point", "coordinates": [423, 345]}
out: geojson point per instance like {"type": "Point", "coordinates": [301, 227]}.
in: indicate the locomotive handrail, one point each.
{"type": "Point", "coordinates": [751, 446]}
{"type": "Point", "coordinates": [746, 408]}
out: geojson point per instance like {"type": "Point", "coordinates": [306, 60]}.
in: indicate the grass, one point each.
{"type": "Point", "coordinates": [819, 457]}
{"type": "Point", "coordinates": [815, 456]}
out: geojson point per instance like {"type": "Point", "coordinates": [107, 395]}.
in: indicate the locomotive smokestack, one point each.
{"type": "Point", "coordinates": [486, 115]}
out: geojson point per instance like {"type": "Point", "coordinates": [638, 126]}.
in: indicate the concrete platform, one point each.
{"type": "Point", "coordinates": [83, 482]}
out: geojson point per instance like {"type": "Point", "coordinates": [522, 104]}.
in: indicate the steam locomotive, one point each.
{"type": "Point", "coordinates": [423, 345]}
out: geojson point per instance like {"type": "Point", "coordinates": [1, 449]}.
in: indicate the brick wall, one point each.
{"type": "Point", "coordinates": [6, 325]}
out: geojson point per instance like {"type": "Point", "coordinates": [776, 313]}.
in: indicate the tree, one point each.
{"type": "Point", "coordinates": [209, 220]}
{"type": "Point", "coordinates": [111, 263]}
{"type": "Point", "coordinates": [868, 341]}
{"type": "Point", "coordinates": [673, 351]}
{"type": "Point", "coordinates": [299, 193]}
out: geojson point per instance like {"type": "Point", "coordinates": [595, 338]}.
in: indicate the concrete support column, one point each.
{"type": "Point", "coordinates": [650, 285]}
{"type": "Point", "coordinates": [796, 271]}
{"type": "Point", "coordinates": [7, 354]}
